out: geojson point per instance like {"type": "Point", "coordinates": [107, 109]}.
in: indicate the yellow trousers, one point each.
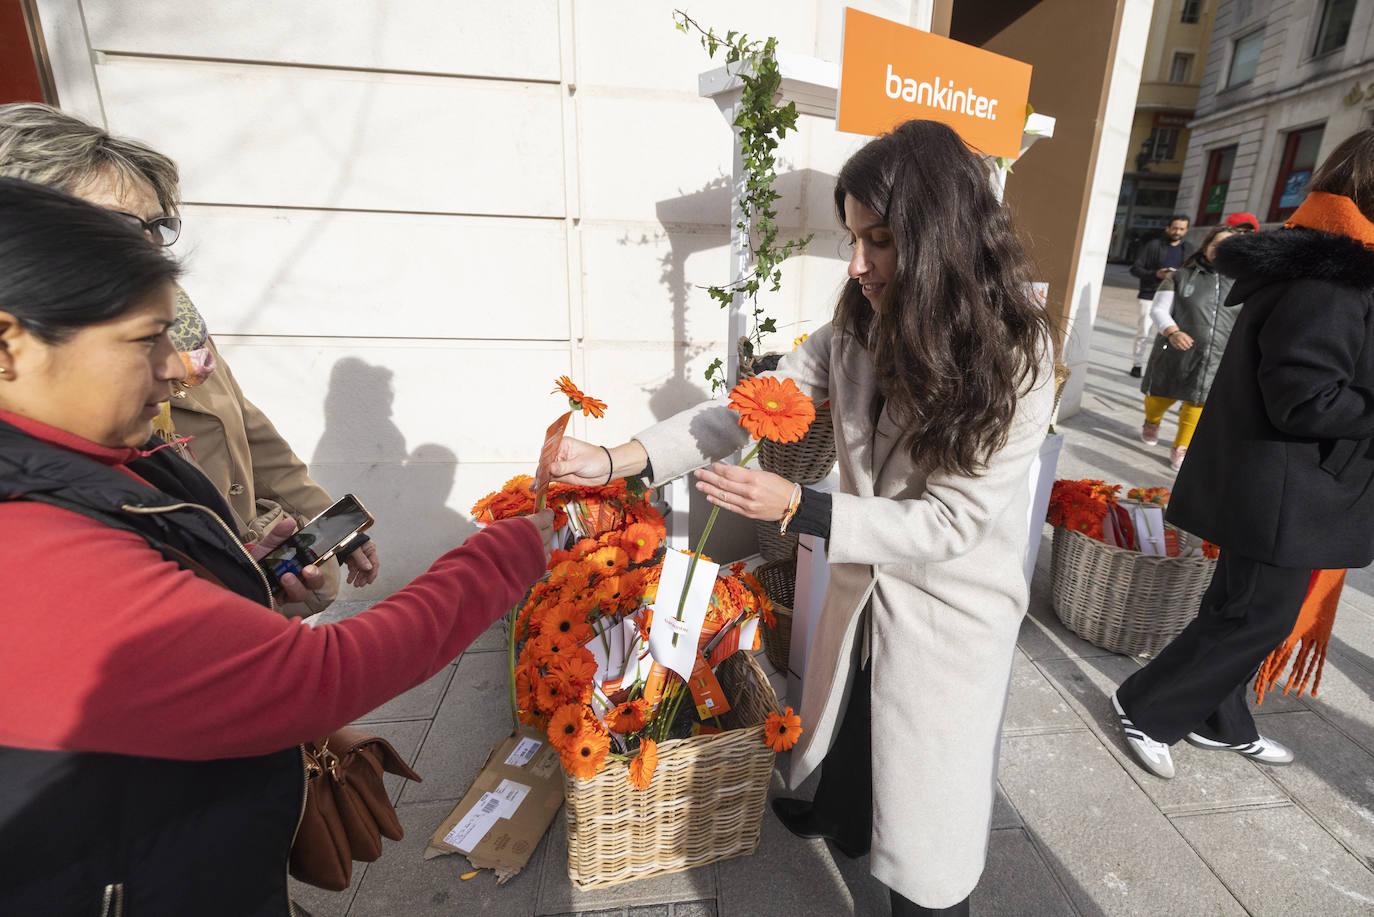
{"type": "Point", "coordinates": [1188, 414]}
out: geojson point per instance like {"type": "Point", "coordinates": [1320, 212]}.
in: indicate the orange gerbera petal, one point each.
{"type": "Point", "coordinates": [640, 541]}
{"type": "Point", "coordinates": [645, 763]}
{"type": "Point", "coordinates": [550, 693]}
{"type": "Point", "coordinates": [782, 730]}
{"type": "Point", "coordinates": [609, 559]}
{"type": "Point", "coordinates": [578, 667]}
{"type": "Point", "coordinates": [565, 619]}
{"type": "Point", "coordinates": [772, 408]}
{"type": "Point", "coordinates": [550, 646]}
{"type": "Point", "coordinates": [628, 718]}
{"type": "Point", "coordinates": [589, 406]}
{"type": "Point", "coordinates": [566, 725]}
{"type": "Point", "coordinates": [586, 755]}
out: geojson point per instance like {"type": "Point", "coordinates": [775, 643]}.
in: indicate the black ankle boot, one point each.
{"type": "Point", "coordinates": [799, 817]}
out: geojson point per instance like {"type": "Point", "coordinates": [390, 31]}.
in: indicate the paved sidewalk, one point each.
{"type": "Point", "coordinates": [1078, 830]}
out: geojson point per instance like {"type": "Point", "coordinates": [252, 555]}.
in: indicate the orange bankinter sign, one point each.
{"type": "Point", "coordinates": [891, 73]}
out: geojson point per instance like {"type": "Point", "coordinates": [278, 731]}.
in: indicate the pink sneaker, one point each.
{"type": "Point", "coordinates": [1176, 455]}
{"type": "Point", "coordinates": [1149, 433]}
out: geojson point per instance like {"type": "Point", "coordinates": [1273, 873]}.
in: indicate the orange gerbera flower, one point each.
{"type": "Point", "coordinates": [550, 646]}
{"type": "Point", "coordinates": [609, 559]}
{"type": "Point", "coordinates": [586, 754]}
{"type": "Point", "coordinates": [549, 694]}
{"type": "Point", "coordinates": [640, 541]}
{"type": "Point", "coordinates": [564, 619]}
{"type": "Point", "coordinates": [577, 668]}
{"type": "Point", "coordinates": [589, 406]}
{"type": "Point", "coordinates": [782, 730]}
{"type": "Point", "coordinates": [524, 690]}
{"type": "Point", "coordinates": [645, 763]}
{"type": "Point", "coordinates": [566, 725]}
{"type": "Point", "coordinates": [772, 408]}
{"type": "Point", "coordinates": [629, 717]}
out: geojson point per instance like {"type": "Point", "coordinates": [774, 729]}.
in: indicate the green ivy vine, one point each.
{"type": "Point", "coordinates": [761, 123]}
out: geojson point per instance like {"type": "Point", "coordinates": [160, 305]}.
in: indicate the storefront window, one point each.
{"type": "Point", "coordinates": [1245, 57]}
{"type": "Point", "coordinates": [1334, 28]}
{"type": "Point", "coordinates": [1215, 186]}
{"type": "Point", "coordinates": [1295, 171]}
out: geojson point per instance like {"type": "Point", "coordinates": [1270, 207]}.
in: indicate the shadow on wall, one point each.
{"type": "Point", "coordinates": [364, 452]}
{"type": "Point", "coordinates": [686, 235]}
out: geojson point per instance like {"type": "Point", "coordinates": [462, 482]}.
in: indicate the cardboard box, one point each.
{"type": "Point", "coordinates": [507, 809]}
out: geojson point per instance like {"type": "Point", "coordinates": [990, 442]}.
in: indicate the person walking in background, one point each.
{"type": "Point", "coordinates": [1190, 309]}
{"type": "Point", "coordinates": [1244, 221]}
{"type": "Point", "coordinates": [1281, 473]}
{"type": "Point", "coordinates": [230, 438]}
{"type": "Point", "coordinates": [1158, 258]}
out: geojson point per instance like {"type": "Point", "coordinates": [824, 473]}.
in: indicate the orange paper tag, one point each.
{"type": "Point", "coordinates": [553, 438]}
{"type": "Point", "coordinates": [707, 693]}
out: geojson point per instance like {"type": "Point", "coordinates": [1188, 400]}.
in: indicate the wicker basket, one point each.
{"type": "Point", "coordinates": [779, 579]}
{"type": "Point", "coordinates": [705, 803]}
{"type": "Point", "coordinates": [773, 546]}
{"type": "Point", "coordinates": [808, 460]}
{"type": "Point", "coordinates": [1122, 600]}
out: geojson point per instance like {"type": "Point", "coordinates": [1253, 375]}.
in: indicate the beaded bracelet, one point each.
{"type": "Point", "coordinates": [792, 506]}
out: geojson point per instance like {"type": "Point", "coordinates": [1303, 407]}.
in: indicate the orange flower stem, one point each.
{"type": "Point", "coordinates": [701, 544]}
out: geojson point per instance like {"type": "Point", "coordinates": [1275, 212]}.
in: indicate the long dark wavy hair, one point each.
{"type": "Point", "coordinates": [960, 335]}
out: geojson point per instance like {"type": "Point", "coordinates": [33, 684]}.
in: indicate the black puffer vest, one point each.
{"type": "Point", "coordinates": [87, 834]}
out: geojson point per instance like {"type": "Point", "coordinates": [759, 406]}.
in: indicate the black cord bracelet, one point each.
{"type": "Point", "coordinates": [610, 463]}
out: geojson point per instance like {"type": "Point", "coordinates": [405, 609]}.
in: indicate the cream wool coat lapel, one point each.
{"type": "Point", "coordinates": [938, 560]}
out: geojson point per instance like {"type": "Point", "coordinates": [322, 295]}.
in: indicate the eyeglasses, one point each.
{"type": "Point", "coordinates": [163, 230]}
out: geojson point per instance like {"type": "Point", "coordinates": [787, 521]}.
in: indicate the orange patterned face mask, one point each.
{"type": "Point", "coordinates": [199, 363]}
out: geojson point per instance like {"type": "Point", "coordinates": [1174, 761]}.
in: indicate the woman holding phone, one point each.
{"type": "Point", "coordinates": [938, 367]}
{"type": "Point", "coordinates": [153, 702]}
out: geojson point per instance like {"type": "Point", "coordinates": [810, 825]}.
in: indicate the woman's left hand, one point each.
{"type": "Point", "coordinates": [364, 565]}
{"type": "Point", "coordinates": [746, 491]}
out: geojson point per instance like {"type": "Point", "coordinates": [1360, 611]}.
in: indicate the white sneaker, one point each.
{"type": "Point", "coordinates": [1262, 750]}
{"type": "Point", "coordinates": [1153, 755]}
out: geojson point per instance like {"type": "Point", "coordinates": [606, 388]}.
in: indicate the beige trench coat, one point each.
{"type": "Point", "coordinates": [251, 465]}
{"type": "Point", "coordinates": [941, 559]}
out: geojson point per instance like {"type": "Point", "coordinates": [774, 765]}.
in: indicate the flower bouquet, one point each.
{"type": "Point", "coordinates": [661, 772]}
{"type": "Point", "coordinates": [1123, 579]}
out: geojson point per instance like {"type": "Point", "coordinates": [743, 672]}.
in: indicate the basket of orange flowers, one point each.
{"type": "Point", "coordinates": [1104, 588]}
{"type": "Point", "coordinates": [661, 773]}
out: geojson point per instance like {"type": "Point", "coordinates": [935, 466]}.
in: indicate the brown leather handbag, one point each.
{"type": "Point", "coordinates": [347, 808]}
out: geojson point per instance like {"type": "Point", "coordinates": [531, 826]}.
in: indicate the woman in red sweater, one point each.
{"type": "Point", "coordinates": [150, 701]}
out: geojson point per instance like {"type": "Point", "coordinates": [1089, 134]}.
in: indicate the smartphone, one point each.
{"type": "Point", "coordinates": [317, 540]}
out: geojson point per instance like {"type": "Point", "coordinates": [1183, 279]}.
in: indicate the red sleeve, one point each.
{"type": "Point", "coordinates": [108, 647]}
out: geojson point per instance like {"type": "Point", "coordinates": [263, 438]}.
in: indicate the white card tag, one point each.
{"type": "Point", "coordinates": [681, 658]}
{"type": "Point", "coordinates": [523, 753]}
{"type": "Point", "coordinates": [510, 794]}
{"type": "Point", "coordinates": [468, 833]}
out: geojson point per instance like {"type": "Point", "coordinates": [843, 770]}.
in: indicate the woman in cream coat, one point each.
{"type": "Point", "coordinates": [937, 336]}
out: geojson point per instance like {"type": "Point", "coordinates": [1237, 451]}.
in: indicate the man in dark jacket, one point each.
{"type": "Point", "coordinates": [1158, 258]}
{"type": "Point", "coordinates": [1280, 474]}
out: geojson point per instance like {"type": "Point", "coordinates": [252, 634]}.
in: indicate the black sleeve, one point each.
{"type": "Point", "coordinates": [813, 515]}
{"type": "Point", "coordinates": [1147, 262]}
{"type": "Point", "coordinates": [1309, 346]}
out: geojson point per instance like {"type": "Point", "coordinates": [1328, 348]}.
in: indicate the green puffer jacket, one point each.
{"type": "Point", "coordinates": [1200, 311]}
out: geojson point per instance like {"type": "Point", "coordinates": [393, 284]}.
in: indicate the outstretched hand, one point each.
{"type": "Point", "coordinates": [580, 463]}
{"type": "Point", "coordinates": [747, 492]}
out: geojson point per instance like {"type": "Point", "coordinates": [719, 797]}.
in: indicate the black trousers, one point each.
{"type": "Point", "coordinates": [844, 795]}
{"type": "Point", "coordinates": [1200, 681]}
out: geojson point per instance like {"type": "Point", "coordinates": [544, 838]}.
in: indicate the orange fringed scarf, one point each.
{"type": "Point", "coordinates": [1309, 638]}
{"type": "Point", "coordinates": [1333, 213]}
{"type": "Point", "coordinates": [1338, 215]}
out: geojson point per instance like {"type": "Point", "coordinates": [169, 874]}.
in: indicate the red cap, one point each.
{"type": "Point", "coordinates": [1239, 219]}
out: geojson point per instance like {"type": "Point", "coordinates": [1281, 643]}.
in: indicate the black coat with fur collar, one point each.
{"type": "Point", "coordinates": [1281, 468]}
